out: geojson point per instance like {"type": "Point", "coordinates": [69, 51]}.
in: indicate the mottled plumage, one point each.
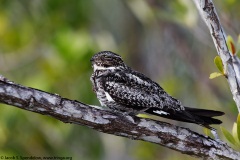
{"type": "Point", "coordinates": [122, 89]}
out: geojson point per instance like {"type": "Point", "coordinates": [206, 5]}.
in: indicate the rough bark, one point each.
{"type": "Point", "coordinates": [231, 62]}
{"type": "Point", "coordinates": [71, 111]}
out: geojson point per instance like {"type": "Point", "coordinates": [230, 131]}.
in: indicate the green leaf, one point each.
{"type": "Point", "coordinates": [143, 116]}
{"type": "Point", "coordinates": [228, 135]}
{"type": "Point", "coordinates": [207, 132]}
{"type": "Point", "coordinates": [230, 44]}
{"type": "Point", "coordinates": [215, 75]}
{"type": "Point", "coordinates": [238, 46]}
{"type": "Point", "coordinates": [219, 64]}
{"type": "Point", "coordinates": [238, 126]}
{"type": "Point", "coordinates": [234, 132]}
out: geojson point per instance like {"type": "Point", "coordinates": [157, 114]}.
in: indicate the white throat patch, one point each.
{"type": "Point", "coordinates": [96, 67]}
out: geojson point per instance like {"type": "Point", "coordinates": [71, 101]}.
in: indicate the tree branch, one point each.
{"type": "Point", "coordinates": [231, 62]}
{"type": "Point", "coordinates": [70, 111]}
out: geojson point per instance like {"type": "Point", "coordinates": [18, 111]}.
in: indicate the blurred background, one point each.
{"type": "Point", "coordinates": [47, 44]}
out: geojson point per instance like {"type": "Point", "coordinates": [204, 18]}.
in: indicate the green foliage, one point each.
{"type": "Point", "coordinates": [238, 46]}
{"type": "Point", "coordinates": [234, 47]}
{"type": "Point", "coordinates": [219, 65]}
{"type": "Point", "coordinates": [231, 45]}
{"type": "Point", "coordinates": [238, 126]}
{"type": "Point", "coordinates": [215, 75]}
{"type": "Point", "coordinates": [47, 44]}
{"type": "Point", "coordinates": [228, 136]}
{"type": "Point", "coordinates": [233, 137]}
{"type": "Point", "coordinates": [208, 132]}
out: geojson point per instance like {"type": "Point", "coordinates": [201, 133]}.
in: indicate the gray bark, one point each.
{"type": "Point", "coordinates": [71, 111]}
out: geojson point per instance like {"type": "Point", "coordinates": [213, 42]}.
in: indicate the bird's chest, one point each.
{"type": "Point", "coordinates": [104, 98]}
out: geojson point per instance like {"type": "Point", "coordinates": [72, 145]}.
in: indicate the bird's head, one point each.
{"type": "Point", "coordinates": [107, 60]}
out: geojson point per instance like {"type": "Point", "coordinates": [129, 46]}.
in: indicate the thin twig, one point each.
{"type": "Point", "coordinates": [231, 62]}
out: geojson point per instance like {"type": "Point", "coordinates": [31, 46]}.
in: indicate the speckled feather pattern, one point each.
{"type": "Point", "coordinates": [131, 91]}
{"type": "Point", "coordinates": [134, 90]}
{"type": "Point", "coordinates": [122, 89]}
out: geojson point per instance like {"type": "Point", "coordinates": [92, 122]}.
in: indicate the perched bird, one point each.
{"type": "Point", "coordinates": [122, 89]}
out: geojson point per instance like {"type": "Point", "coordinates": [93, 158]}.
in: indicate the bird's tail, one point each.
{"type": "Point", "coordinates": [192, 115]}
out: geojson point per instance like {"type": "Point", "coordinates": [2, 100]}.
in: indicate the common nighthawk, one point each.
{"type": "Point", "coordinates": [122, 89]}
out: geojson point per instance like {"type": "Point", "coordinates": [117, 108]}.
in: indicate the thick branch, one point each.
{"type": "Point", "coordinates": [69, 111]}
{"type": "Point", "coordinates": [231, 62]}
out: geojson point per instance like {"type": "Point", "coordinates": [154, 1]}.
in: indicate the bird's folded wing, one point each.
{"type": "Point", "coordinates": [136, 91]}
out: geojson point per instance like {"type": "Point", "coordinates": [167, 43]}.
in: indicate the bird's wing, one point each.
{"type": "Point", "coordinates": [135, 90]}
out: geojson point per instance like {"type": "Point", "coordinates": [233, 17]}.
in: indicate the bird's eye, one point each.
{"type": "Point", "coordinates": [107, 58]}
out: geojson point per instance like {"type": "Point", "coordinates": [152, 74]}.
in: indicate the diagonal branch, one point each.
{"type": "Point", "coordinates": [231, 62]}
{"type": "Point", "coordinates": [70, 111]}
